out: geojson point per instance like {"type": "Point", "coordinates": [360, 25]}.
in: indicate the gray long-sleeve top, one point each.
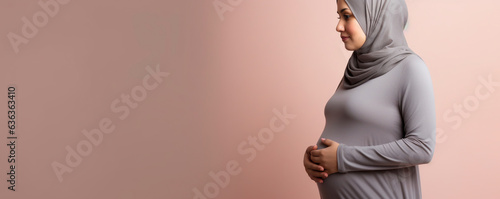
{"type": "Point", "coordinates": [385, 127]}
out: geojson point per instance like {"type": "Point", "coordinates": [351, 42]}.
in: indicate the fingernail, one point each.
{"type": "Point", "coordinates": [322, 138]}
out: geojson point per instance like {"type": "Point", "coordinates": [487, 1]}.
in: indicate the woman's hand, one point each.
{"type": "Point", "coordinates": [314, 171]}
{"type": "Point", "coordinates": [327, 157]}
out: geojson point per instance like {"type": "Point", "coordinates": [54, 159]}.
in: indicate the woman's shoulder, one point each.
{"type": "Point", "coordinates": [414, 60]}
{"type": "Point", "coordinates": [414, 76]}
{"type": "Point", "coordinates": [413, 66]}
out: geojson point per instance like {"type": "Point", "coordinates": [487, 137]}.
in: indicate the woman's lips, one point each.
{"type": "Point", "coordinates": [344, 38]}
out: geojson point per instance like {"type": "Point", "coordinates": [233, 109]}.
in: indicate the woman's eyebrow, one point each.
{"type": "Point", "coordinates": [343, 9]}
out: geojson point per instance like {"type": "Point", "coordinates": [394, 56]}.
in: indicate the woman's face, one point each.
{"type": "Point", "coordinates": [350, 31]}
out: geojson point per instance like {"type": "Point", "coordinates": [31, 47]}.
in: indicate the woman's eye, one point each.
{"type": "Point", "coordinates": [346, 17]}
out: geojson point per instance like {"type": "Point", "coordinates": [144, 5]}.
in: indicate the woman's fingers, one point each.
{"type": "Point", "coordinates": [307, 154]}
{"type": "Point", "coordinates": [318, 180]}
{"type": "Point", "coordinates": [327, 142]}
{"type": "Point", "coordinates": [316, 174]}
{"type": "Point", "coordinates": [310, 148]}
{"type": "Point", "coordinates": [315, 179]}
{"type": "Point", "coordinates": [315, 159]}
{"type": "Point", "coordinates": [312, 166]}
{"type": "Point", "coordinates": [316, 153]}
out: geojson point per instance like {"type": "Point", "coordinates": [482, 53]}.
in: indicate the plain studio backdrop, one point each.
{"type": "Point", "coordinates": [219, 99]}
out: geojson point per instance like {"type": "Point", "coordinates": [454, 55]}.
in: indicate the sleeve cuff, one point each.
{"type": "Point", "coordinates": [340, 159]}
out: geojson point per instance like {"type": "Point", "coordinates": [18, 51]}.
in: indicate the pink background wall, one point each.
{"type": "Point", "coordinates": [229, 73]}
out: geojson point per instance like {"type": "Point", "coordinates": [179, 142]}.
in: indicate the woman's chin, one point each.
{"type": "Point", "coordinates": [347, 47]}
{"type": "Point", "coordinates": [350, 48]}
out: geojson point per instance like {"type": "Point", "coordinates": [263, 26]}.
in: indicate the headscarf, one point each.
{"type": "Point", "coordinates": [383, 22]}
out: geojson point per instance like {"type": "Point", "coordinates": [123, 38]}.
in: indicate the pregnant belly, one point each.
{"type": "Point", "coordinates": [365, 184]}
{"type": "Point", "coordinates": [394, 183]}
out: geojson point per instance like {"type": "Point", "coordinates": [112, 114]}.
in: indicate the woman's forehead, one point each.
{"type": "Point", "coordinates": [342, 6]}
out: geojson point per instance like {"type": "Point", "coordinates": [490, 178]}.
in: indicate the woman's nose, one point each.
{"type": "Point", "coordinates": [340, 27]}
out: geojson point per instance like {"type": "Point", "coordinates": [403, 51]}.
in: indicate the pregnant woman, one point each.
{"type": "Point", "coordinates": [381, 121]}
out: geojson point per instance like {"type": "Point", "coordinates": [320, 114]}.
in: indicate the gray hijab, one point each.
{"type": "Point", "coordinates": [383, 22]}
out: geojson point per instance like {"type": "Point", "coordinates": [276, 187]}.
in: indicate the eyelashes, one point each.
{"type": "Point", "coordinates": [346, 17]}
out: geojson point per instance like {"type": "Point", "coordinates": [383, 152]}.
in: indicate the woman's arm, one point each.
{"type": "Point", "coordinates": [419, 119]}
{"type": "Point", "coordinates": [416, 147]}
